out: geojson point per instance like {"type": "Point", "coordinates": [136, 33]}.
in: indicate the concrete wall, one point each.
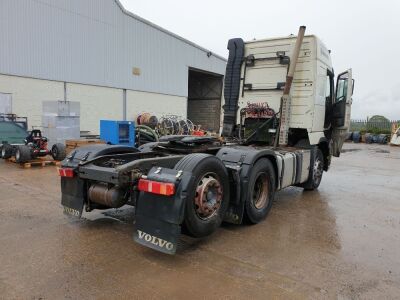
{"type": "Point", "coordinates": [96, 102]}
{"type": "Point", "coordinates": [28, 94]}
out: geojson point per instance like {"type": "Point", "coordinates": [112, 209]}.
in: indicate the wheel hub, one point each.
{"type": "Point", "coordinates": [318, 169]}
{"type": "Point", "coordinates": [261, 191]}
{"type": "Point", "coordinates": [208, 197]}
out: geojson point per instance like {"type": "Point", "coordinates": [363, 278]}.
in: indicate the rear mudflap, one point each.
{"type": "Point", "coordinates": [72, 196]}
{"type": "Point", "coordinates": [158, 217]}
{"type": "Point", "coordinates": [157, 234]}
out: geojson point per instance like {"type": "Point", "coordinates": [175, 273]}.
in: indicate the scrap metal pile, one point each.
{"type": "Point", "coordinates": [150, 128]}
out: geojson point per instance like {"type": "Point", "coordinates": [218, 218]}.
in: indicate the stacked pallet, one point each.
{"type": "Point", "coordinates": [72, 144]}
{"type": "Point", "coordinates": [39, 162]}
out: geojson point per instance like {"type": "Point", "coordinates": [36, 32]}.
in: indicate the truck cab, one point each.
{"type": "Point", "coordinates": [318, 113]}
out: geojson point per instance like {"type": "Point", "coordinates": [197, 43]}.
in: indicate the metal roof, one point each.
{"type": "Point", "coordinates": [97, 42]}
{"type": "Point", "coordinates": [165, 30]}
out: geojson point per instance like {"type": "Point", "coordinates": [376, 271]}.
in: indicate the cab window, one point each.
{"type": "Point", "coordinates": [341, 92]}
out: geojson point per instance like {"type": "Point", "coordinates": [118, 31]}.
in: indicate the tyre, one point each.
{"type": "Point", "coordinates": [58, 152]}
{"type": "Point", "coordinates": [316, 170]}
{"type": "Point", "coordinates": [23, 154]}
{"type": "Point", "coordinates": [208, 195]}
{"type": "Point", "coordinates": [6, 151]}
{"type": "Point", "coordinates": [261, 191]}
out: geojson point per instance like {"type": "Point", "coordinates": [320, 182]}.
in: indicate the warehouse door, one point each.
{"type": "Point", "coordinates": [5, 103]}
{"type": "Point", "coordinates": [204, 99]}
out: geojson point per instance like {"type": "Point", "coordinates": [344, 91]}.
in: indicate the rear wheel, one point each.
{"type": "Point", "coordinates": [6, 151]}
{"type": "Point", "coordinates": [23, 154]}
{"type": "Point", "coordinates": [261, 191]}
{"type": "Point", "coordinates": [316, 170]}
{"type": "Point", "coordinates": [208, 195]}
{"type": "Point", "coordinates": [58, 151]}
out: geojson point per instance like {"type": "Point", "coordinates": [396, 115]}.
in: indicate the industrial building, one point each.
{"type": "Point", "coordinates": [116, 64]}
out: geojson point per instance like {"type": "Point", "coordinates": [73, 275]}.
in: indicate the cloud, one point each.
{"type": "Point", "coordinates": [385, 102]}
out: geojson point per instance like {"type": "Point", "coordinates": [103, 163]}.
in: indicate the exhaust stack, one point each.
{"type": "Point", "coordinates": [283, 129]}
{"type": "Point", "coordinates": [293, 60]}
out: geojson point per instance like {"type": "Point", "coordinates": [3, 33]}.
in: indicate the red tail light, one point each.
{"type": "Point", "coordinates": [66, 172]}
{"type": "Point", "coordinates": [155, 187]}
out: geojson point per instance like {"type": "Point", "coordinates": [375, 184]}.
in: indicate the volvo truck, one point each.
{"type": "Point", "coordinates": [285, 115]}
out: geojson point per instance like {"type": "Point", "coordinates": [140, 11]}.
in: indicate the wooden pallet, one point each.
{"type": "Point", "coordinates": [72, 144]}
{"type": "Point", "coordinates": [39, 162]}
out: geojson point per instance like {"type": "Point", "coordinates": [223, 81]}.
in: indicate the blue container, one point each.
{"type": "Point", "coordinates": [382, 139]}
{"type": "Point", "coordinates": [356, 137]}
{"type": "Point", "coordinates": [118, 132]}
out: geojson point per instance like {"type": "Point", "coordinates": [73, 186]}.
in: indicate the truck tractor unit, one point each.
{"type": "Point", "coordinates": [283, 120]}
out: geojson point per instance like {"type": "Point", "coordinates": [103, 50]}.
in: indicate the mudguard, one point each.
{"type": "Point", "coordinates": [239, 161]}
{"type": "Point", "coordinates": [84, 154]}
{"type": "Point", "coordinates": [158, 217]}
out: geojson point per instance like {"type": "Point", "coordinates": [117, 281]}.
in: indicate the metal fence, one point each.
{"type": "Point", "coordinates": [367, 125]}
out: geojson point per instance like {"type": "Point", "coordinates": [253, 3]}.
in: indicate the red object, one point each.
{"type": "Point", "coordinates": [155, 187]}
{"type": "Point", "coordinates": [199, 132]}
{"type": "Point", "coordinates": [66, 172]}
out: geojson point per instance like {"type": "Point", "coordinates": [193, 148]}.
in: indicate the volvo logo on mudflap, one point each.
{"type": "Point", "coordinates": [155, 240]}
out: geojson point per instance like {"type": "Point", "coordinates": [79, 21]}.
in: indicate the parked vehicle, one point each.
{"type": "Point", "coordinates": [35, 145]}
{"type": "Point", "coordinates": [283, 121]}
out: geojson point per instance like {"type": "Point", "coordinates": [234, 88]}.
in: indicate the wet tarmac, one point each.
{"type": "Point", "coordinates": [342, 241]}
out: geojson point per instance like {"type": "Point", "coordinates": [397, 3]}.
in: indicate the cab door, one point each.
{"type": "Point", "coordinates": [341, 110]}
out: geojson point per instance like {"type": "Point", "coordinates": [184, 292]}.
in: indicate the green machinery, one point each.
{"type": "Point", "coordinates": [13, 129]}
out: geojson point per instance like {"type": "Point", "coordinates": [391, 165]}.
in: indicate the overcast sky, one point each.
{"type": "Point", "coordinates": [363, 35]}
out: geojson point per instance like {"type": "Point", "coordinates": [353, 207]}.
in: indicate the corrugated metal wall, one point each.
{"type": "Point", "coordinates": [95, 42]}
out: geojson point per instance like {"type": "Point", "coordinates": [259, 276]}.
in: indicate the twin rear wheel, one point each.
{"type": "Point", "coordinates": [261, 191]}
{"type": "Point", "coordinates": [208, 195]}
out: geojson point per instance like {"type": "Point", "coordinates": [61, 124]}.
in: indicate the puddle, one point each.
{"type": "Point", "coordinates": [382, 151]}
{"type": "Point", "coordinates": [350, 150]}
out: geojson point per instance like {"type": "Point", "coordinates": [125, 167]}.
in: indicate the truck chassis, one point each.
{"type": "Point", "coordinates": [192, 184]}
{"type": "Point", "coordinates": [187, 185]}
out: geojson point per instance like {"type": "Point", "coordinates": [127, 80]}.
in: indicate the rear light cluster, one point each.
{"type": "Point", "coordinates": [66, 172]}
{"type": "Point", "coordinates": [155, 187]}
